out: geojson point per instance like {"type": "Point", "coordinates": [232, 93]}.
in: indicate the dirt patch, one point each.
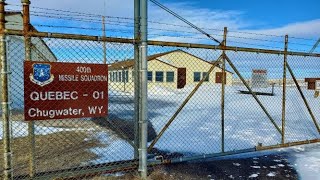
{"type": "Point", "coordinates": [53, 151]}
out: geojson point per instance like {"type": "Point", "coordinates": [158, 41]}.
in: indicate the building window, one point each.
{"type": "Point", "coordinates": [159, 76]}
{"type": "Point", "coordinates": [127, 76]}
{"type": "Point", "coordinates": [119, 76]}
{"type": "Point", "coordinates": [115, 76]}
{"type": "Point", "coordinates": [204, 75]}
{"type": "Point", "coordinates": [123, 76]}
{"type": "Point", "coordinates": [110, 76]}
{"type": "Point", "coordinates": [150, 76]}
{"type": "Point", "coordinates": [170, 76]}
{"type": "Point", "coordinates": [196, 76]}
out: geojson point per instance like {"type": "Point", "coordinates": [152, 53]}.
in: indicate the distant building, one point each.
{"type": "Point", "coordinates": [174, 69]}
{"type": "Point", "coordinates": [313, 83]}
{"type": "Point", "coordinates": [16, 56]}
{"type": "Point", "coordinates": [259, 78]}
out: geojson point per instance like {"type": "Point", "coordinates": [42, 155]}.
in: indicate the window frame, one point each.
{"type": "Point", "coordinates": [170, 76]}
{"type": "Point", "coordinates": [194, 76]}
{"type": "Point", "coordinates": [162, 77]}
{"type": "Point", "coordinates": [148, 76]}
{"type": "Point", "coordinates": [204, 74]}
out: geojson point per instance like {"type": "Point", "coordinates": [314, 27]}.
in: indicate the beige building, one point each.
{"type": "Point", "coordinates": [174, 69]}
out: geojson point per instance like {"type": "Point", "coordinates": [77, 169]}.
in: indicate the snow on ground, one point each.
{"type": "Point", "coordinates": [271, 174]}
{"type": "Point", "coordinates": [253, 175]}
{"type": "Point", "coordinates": [116, 149]}
{"type": "Point", "coordinates": [197, 129]}
{"type": "Point", "coordinates": [306, 160]}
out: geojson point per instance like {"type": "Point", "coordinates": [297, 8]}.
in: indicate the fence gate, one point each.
{"type": "Point", "coordinates": [201, 101]}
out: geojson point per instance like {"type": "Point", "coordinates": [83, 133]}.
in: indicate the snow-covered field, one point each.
{"type": "Point", "coordinates": [306, 160]}
{"type": "Point", "coordinates": [197, 129]}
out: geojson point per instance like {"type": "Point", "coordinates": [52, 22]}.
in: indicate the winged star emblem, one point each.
{"type": "Point", "coordinates": [41, 74]}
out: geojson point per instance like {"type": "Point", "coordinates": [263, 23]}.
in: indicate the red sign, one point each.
{"type": "Point", "coordinates": [55, 90]}
{"type": "Point", "coordinates": [260, 71]}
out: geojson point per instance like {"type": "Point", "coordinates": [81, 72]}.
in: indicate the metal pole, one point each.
{"type": "Point", "coordinates": [7, 164]}
{"type": "Point", "coordinates": [104, 42]}
{"type": "Point", "coordinates": [284, 87]}
{"type": "Point", "coordinates": [136, 75]}
{"type": "Point", "coordinates": [31, 135]}
{"type": "Point", "coordinates": [223, 87]}
{"type": "Point", "coordinates": [143, 168]}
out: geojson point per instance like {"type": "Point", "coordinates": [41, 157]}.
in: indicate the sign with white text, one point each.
{"type": "Point", "coordinates": [55, 90]}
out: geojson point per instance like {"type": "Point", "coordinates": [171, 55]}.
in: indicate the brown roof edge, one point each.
{"type": "Point", "coordinates": [311, 79]}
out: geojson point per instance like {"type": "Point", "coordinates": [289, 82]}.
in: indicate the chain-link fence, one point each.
{"type": "Point", "coordinates": [203, 101]}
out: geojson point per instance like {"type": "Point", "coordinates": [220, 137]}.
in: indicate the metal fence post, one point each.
{"type": "Point", "coordinates": [284, 84]}
{"type": "Point", "coordinates": [223, 86]}
{"type": "Point", "coordinates": [143, 93]}
{"type": "Point", "coordinates": [136, 75]}
{"type": "Point", "coordinates": [7, 164]}
{"type": "Point", "coordinates": [27, 38]}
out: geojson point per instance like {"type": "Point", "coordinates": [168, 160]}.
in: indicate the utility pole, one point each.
{"type": "Point", "coordinates": [143, 92]}
{"type": "Point", "coordinates": [136, 76]}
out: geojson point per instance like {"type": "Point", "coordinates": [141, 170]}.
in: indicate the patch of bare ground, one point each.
{"type": "Point", "coordinates": [54, 151]}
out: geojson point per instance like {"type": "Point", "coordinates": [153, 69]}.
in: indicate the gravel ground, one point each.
{"type": "Point", "coordinates": [274, 166]}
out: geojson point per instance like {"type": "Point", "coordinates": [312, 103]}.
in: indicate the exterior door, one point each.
{"type": "Point", "coordinates": [181, 81]}
{"type": "Point", "coordinates": [219, 77]}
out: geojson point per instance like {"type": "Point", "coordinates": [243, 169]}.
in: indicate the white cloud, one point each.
{"type": "Point", "coordinates": [305, 29]}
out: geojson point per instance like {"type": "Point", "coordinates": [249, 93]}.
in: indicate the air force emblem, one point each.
{"type": "Point", "coordinates": [41, 74]}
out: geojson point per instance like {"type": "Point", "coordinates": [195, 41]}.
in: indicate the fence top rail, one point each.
{"type": "Point", "coordinates": [155, 43]}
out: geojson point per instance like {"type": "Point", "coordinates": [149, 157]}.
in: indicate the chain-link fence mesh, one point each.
{"type": "Point", "coordinates": [184, 106]}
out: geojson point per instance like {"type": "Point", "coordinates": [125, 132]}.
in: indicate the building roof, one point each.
{"type": "Point", "coordinates": [312, 80]}
{"type": "Point", "coordinates": [130, 63]}
{"type": "Point", "coordinates": [8, 13]}
{"type": "Point", "coordinates": [37, 43]}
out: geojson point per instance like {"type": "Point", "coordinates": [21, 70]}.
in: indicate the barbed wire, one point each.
{"type": "Point", "coordinates": [95, 16]}
{"type": "Point", "coordinates": [128, 22]}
